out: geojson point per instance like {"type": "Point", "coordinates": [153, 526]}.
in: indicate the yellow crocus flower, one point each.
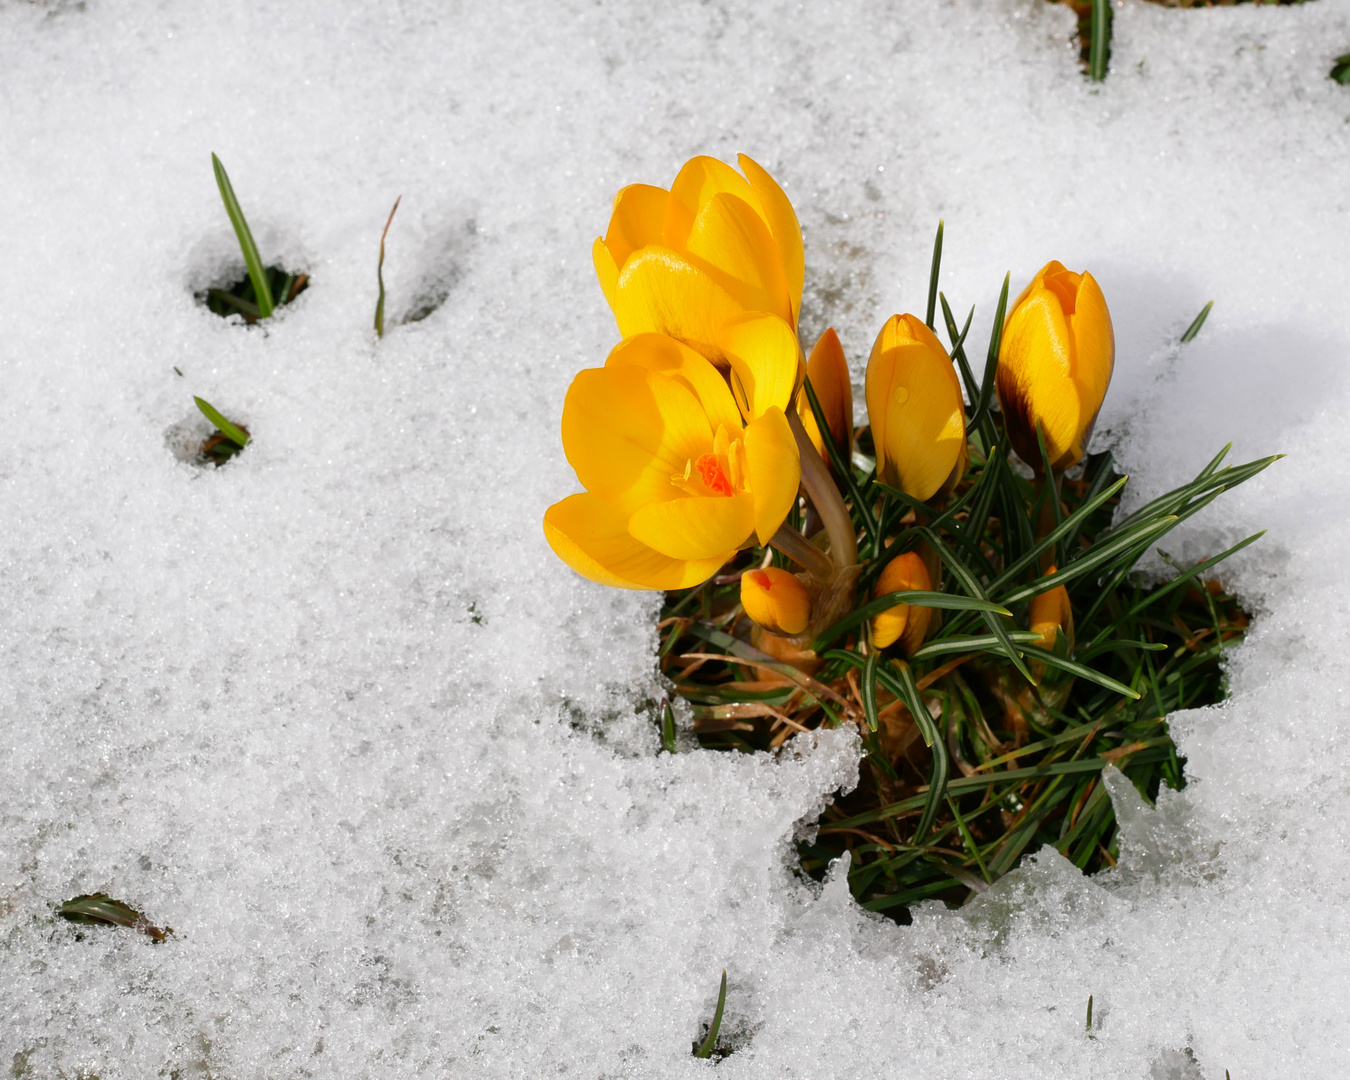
{"type": "Point", "coordinates": [776, 600]}
{"type": "Point", "coordinates": [828, 372]}
{"type": "Point", "coordinates": [914, 407]}
{"type": "Point", "coordinates": [676, 482]}
{"type": "Point", "coordinates": [905, 623]}
{"type": "Point", "coordinates": [684, 261]}
{"type": "Point", "coordinates": [1054, 365]}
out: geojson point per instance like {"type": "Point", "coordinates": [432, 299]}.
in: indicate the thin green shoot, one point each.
{"type": "Point", "coordinates": [1340, 69]}
{"type": "Point", "coordinates": [1101, 40]}
{"type": "Point", "coordinates": [667, 728]}
{"type": "Point", "coordinates": [1196, 323]}
{"type": "Point", "coordinates": [933, 275]}
{"type": "Point", "coordinates": [1089, 1017]}
{"type": "Point", "coordinates": [379, 271]}
{"type": "Point", "coordinates": [257, 274]}
{"type": "Point", "coordinates": [710, 1043]}
{"type": "Point", "coordinates": [231, 431]}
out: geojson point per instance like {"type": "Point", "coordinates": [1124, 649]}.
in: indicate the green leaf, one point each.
{"type": "Point", "coordinates": [1194, 328]}
{"type": "Point", "coordinates": [1181, 579]}
{"type": "Point", "coordinates": [991, 360]}
{"type": "Point", "coordinates": [972, 588]}
{"type": "Point", "coordinates": [102, 909]}
{"type": "Point", "coordinates": [1096, 556]}
{"type": "Point", "coordinates": [709, 1044]}
{"type": "Point", "coordinates": [937, 780]}
{"type": "Point", "coordinates": [1048, 658]}
{"type": "Point", "coordinates": [958, 350]}
{"type": "Point", "coordinates": [1099, 49]}
{"type": "Point", "coordinates": [257, 274]}
{"type": "Point", "coordinates": [922, 598]}
{"type": "Point", "coordinates": [933, 275]}
{"type": "Point", "coordinates": [869, 688]}
{"type": "Point", "coordinates": [379, 272]}
{"type": "Point", "coordinates": [230, 431]}
{"type": "Point", "coordinates": [1070, 524]}
{"type": "Point", "coordinates": [972, 643]}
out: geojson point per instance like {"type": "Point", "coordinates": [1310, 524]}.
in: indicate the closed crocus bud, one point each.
{"type": "Point", "coordinates": [718, 243]}
{"type": "Point", "coordinates": [1054, 365]}
{"type": "Point", "coordinates": [1052, 616]}
{"type": "Point", "coordinates": [776, 600]}
{"type": "Point", "coordinates": [914, 407]}
{"type": "Point", "coordinates": [676, 481]}
{"type": "Point", "coordinates": [828, 371]}
{"type": "Point", "coordinates": [905, 623]}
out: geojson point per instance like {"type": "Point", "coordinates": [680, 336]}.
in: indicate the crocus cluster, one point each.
{"type": "Point", "coordinates": [696, 439]}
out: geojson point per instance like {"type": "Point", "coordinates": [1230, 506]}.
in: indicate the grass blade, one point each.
{"type": "Point", "coordinates": [921, 598]}
{"type": "Point", "coordinates": [1048, 658]}
{"type": "Point", "coordinates": [842, 468]}
{"type": "Point", "coordinates": [1096, 556]}
{"type": "Point", "coordinates": [710, 1043]}
{"type": "Point", "coordinates": [869, 688]}
{"type": "Point", "coordinates": [991, 361]}
{"type": "Point", "coordinates": [256, 272]}
{"type": "Point", "coordinates": [1194, 328]}
{"type": "Point", "coordinates": [972, 643]}
{"type": "Point", "coordinates": [1100, 48]}
{"type": "Point", "coordinates": [231, 431]}
{"type": "Point", "coordinates": [379, 271]}
{"type": "Point", "coordinates": [933, 275]}
{"type": "Point", "coordinates": [972, 587]}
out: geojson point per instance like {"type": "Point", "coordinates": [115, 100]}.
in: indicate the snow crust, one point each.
{"type": "Point", "coordinates": [336, 715]}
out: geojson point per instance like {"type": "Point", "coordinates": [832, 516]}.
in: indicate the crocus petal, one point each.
{"type": "Point", "coordinates": [1051, 614]}
{"type": "Point", "coordinates": [1036, 382]}
{"type": "Point", "coordinates": [765, 359]}
{"type": "Point", "coordinates": [828, 371]}
{"type": "Point", "coordinates": [660, 291]}
{"type": "Point", "coordinates": [733, 244]}
{"type": "Point", "coordinates": [906, 623]}
{"type": "Point", "coordinates": [699, 527]}
{"type": "Point", "coordinates": [665, 355]}
{"type": "Point", "coordinates": [606, 272]}
{"type": "Point", "coordinates": [626, 431]}
{"type": "Point", "coordinates": [635, 222]}
{"type": "Point", "coordinates": [698, 181]}
{"type": "Point", "coordinates": [592, 537]}
{"type": "Point", "coordinates": [776, 600]}
{"type": "Point", "coordinates": [914, 406]}
{"type": "Point", "coordinates": [774, 470]}
{"type": "Point", "coordinates": [782, 222]}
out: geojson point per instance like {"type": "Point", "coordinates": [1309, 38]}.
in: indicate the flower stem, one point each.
{"type": "Point", "coordinates": [825, 497]}
{"type": "Point", "coordinates": [799, 549]}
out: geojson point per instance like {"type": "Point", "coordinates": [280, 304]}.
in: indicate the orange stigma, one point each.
{"type": "Point", "coordinates": [711, 472]}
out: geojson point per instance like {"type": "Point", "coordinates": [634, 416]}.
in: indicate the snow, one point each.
{"type": "Point", "coordinates": [336, 714]}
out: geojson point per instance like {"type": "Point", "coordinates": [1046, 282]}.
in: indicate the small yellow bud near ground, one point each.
{"type": "Point", "coordinates": [684, 261]}
{"type": "Point", "coordinates": [915, 409]}
{"type": "Point", "coordinates": [776, 600]}
{"type": "Point", "coordinates": [1051, 616]}
{"type": "Point", "coordinates": [905, 623]}
{"type": "Point", "coordinates": [1054, 365]}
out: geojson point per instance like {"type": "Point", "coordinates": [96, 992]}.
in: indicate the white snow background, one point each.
{"type": "Point", "coordinates": [336, 714]}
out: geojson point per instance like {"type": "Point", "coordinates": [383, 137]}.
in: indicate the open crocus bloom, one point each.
{"type": "Point", "coordinates": [684, 261]}
{"type": "Point", "coordinates": [914, 407]}
{"type": "Point", "coordinates": [1054, 365]}
{"type": "Point", "coordinates": [676, 482]}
